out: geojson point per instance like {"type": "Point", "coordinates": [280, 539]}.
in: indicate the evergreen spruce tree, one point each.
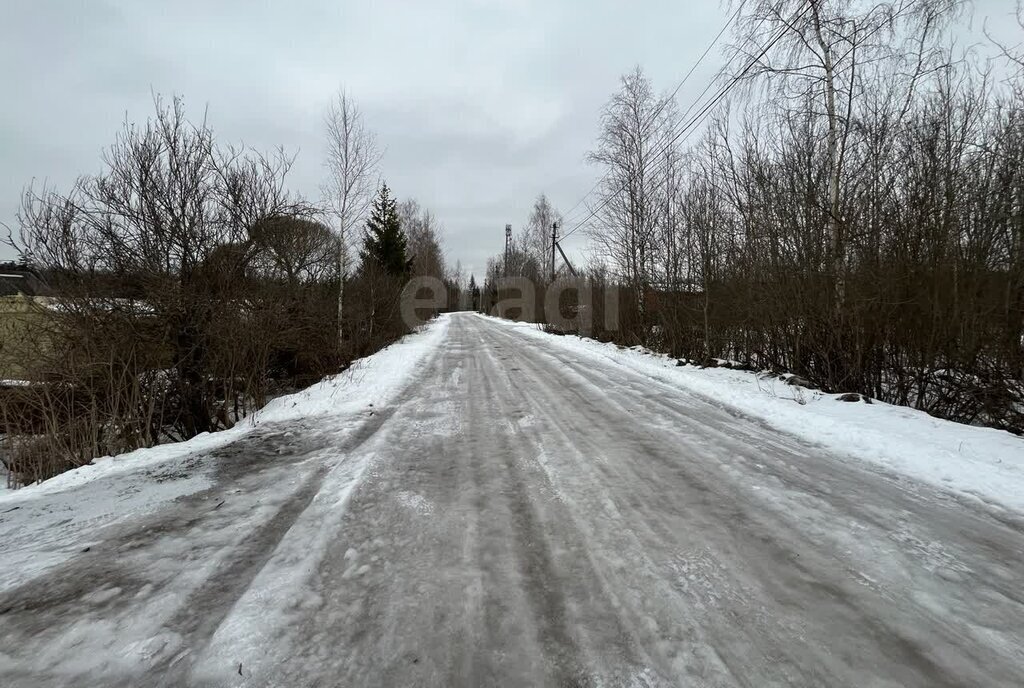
{"type": "Point", "coordinates": [384, 245]}
{"type": "Point", "coordinates": [473, 293]}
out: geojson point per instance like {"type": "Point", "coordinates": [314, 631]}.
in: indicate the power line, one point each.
{"type": "Point", "coordinates": [666, 101]}
{"type": "Point", "coordinates": [704, 112]}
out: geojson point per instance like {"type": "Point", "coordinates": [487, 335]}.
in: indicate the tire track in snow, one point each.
{"type": "Point", "coordinates": [219, 593]}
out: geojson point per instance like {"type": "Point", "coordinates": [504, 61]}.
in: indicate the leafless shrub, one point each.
{"type": "Point", "coordinates": [186, 277]}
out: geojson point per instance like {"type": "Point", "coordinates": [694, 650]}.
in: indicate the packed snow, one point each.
{"type": "Point", "coordinates": [978, 463]}
{"type": "Point", "coordinates": [486, 504]}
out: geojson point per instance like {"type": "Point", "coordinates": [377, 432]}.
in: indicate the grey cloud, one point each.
{"type": "Point", "coordinates": [480, 104]}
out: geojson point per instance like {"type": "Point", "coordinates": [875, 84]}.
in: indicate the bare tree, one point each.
{"type": "Point", "coordinates": [630, 148]}
{"type": "Point", "coordinates": [1012, 53]}
{"type": "Point", "coordinates": [422, 233]}
{"type": "Point", "coordinates": [536, 238]}
{"type": "Point", "coordinates": [352, 161]}
{"type": "Point", "coordinates": [810, 53]}
{"type": "Point", "coordinates": [176, 268]}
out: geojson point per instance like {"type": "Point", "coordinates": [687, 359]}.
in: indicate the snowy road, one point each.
{"type": "Point", "coordinates": [522, 517]}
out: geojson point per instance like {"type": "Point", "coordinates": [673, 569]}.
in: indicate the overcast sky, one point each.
{"type": "Point", "coordinates": [480, 104]}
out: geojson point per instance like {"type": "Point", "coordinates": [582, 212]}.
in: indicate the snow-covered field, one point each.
{"type": "Point", "coordinates": [979, 463]}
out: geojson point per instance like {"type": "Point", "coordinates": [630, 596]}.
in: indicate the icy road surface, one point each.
{"type": "Point", "coordinates": [518, 517]}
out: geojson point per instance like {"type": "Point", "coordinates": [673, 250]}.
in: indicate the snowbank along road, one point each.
{"type": "Point", "coordinates": [516, 515]}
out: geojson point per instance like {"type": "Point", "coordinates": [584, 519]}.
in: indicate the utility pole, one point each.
{"type": "Point", "coordinates": [508, 247]}
{"type": "Point", "coordinates": [565, 258]}
{"type": "Point", "coordinates": [554, 245]}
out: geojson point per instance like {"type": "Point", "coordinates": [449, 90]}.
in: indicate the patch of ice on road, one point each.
{"type": "Point", "coordinates": [645, 678]}
{"type": "Point", "coordinates": [934, 555]}
{"type": "Point", "coordinates": [700, 576]}
{"type": "Point", "coordinates": [415, 502]}
{"type": "Point", "coordinates": [524, 420]}
{"type": "Point", "coordinates": [978, 463]}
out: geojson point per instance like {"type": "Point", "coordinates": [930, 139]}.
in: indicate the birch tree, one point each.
{"type": "Point", "coordinates": [422, 232]}
{"type": "Point", "coordinates": [630, 149]}
{"type": "Point", "coordinates": [352, 163]}
{"type": "Point", "coordinates": [814, 63]}
{"type": "Point", "coordinates": [537, 231]}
